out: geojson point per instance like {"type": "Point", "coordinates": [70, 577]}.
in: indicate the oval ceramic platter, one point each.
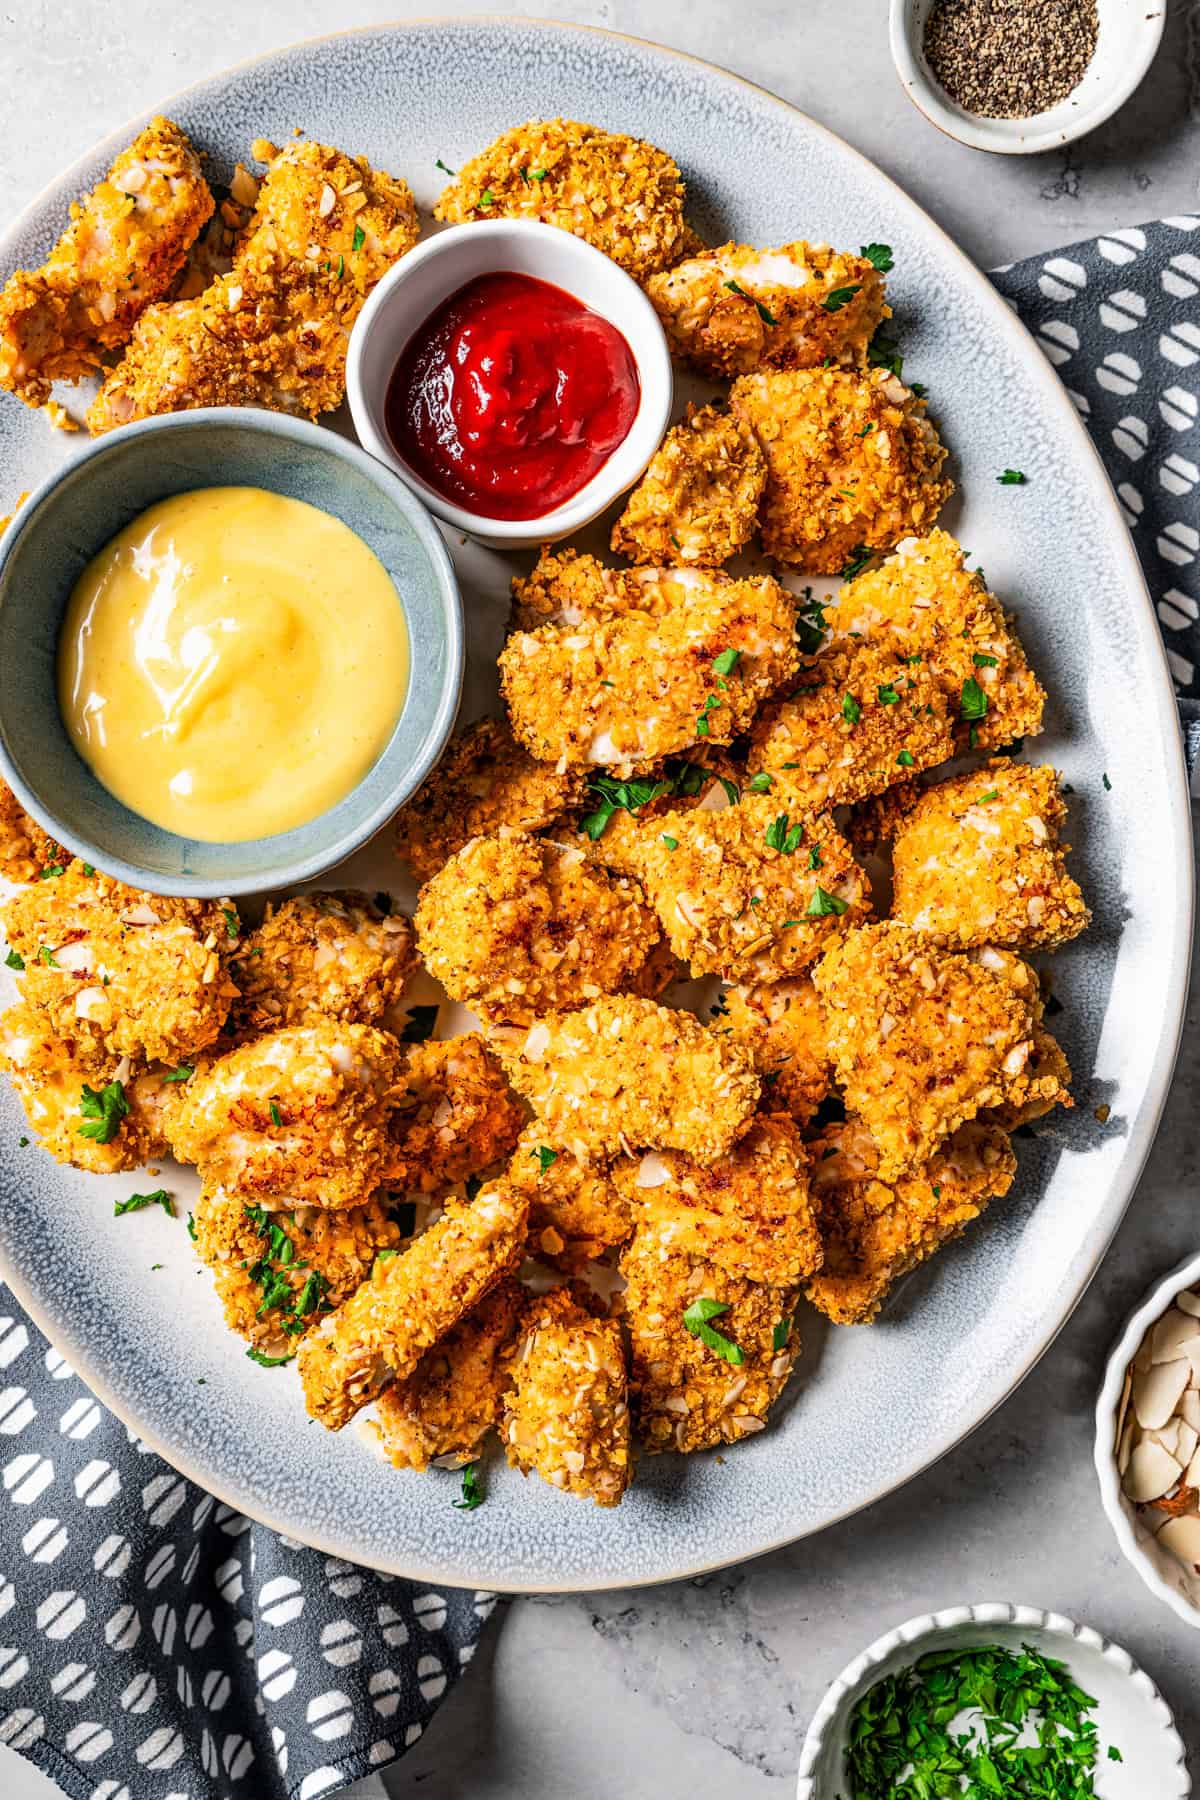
{"type": "Point", "coordinates": [124, 1299]}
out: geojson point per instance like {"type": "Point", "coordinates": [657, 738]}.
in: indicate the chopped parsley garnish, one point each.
{"type": "Point", "coordinates": [780, 1335]}
{"type": "Point", "coordinates": [184, 1072]}
{"type": "Point", "coordinates": [191, 1226]}
{"type": "Point", "coordinates": [840, 297]}
{"type": "Point", "coordinates": [538, 174]}
{"type": "Point", "coordinates": [823, 905]}
{"type": "Point", "coordinates": [760, 783]}
{"type": "Point", "coordinates": [341, 267]}
{"type": "Point", "coordinates": [444, 167]}
{"type": "Point", "coordinates": [485, 200]}
{"type": "Point", "coordinates": [1012, 478]}
{"type": "Point", "coordinates": [985, 662]}
{"type": "Point", "coordinates": [472, 1494]}
{"type": "Point", "coordinates": [887, 695]}
{"type": "Point", "coordinates": [276, 1118]}
{"type": "Point", "coordinates": [50, 871]}
{"type": "Point", "coordinates": [905, 759]}
{"type": "Point", "coordinates": [311, 1296]}
{"type": "Point", "coordinates": [14, 961]}
{"type": "Point", "coordinates": [359, 238]}
{"type": "Point", "coordinates": [878, 255]}
{"type": "Point", "coordinates": [135, 1203]}
{"type": "Point", "coordinates": [767, 317]}
{"type": "Point", "coordinates": [867, 429]}
{"type": "Point", "coordinates": [851, 710]}
{"type": "Point", "coordinates": [710, 705]}
{"type": "Point", "coordinates": [46, 955]}
{"type": "Point", "coordinates": [670, 842]}
{"type": "Point", "coordinates": [382, 1256]}
{"type": "Point", "coordinates": [268, 1362]}
{"type": "Point", "coordinates": [918, 389]}
{"type": "Point", "coordinates": [621, 796]}
{"type": "Point", "coordinates": [860, 556]}
{"type": "Point", "coordinates": [810, 624]}
{"type": "Point", "coordinates": [992, 794]}
{"type": "Point", "coordinates": [974, 702]}
{"type": "Point", "coordinates": [814, 858]}
{"type": "Point", "coordinates": [89, 869]}
{"type": "Point", "coordinates": [883, 352]}
{"type": "Point", "coordinates": [1107, 783]}
{"type": "Point", "coordinates": [231, 920]}
{"type": "Point", "coordinates": [784, 837]}
{"type": "Point", "coordinates": [544, 1157]}
{"type": "Point", "coordinates": [727, 662]}
{"type": "Point", "coordinates": [102, 1110]}
{"type": "Point", "coordinates": [419, 1022]}
{"type": "Point", "coordinates": [696, 1321]}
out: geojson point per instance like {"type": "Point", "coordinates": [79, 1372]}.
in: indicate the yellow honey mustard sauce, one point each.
{"type": "Point", "coordinates": [232, 663]}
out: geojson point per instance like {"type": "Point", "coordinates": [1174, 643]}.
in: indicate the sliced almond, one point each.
{"type": "Point", "coordinates": [1189, 1408]}
{"type": "Point", "coordinates": [1141, 1356]}
{"type": "Point", "coordinates": [1151, 1472]}
{"type": "Point", "coordinates": [1188, 1303]}
{"type": "Point", "coordinates": [652, 1171]}
{"type": "Point", "coordinates": [1157, 1392]}
{"type": "Point", "coordinates": [1182, 1538]}
{"type": "Point", "coordinates": [1125, 1447]}
{"type": "Point", "coordinates": [1171, 1334]}
{"type": "Point", "coordinates": [1186, 1440]}
{"type": "Point", "coordinates": [1168, 1436]}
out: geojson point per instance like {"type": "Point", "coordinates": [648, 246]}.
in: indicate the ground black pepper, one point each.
{"type": "Point", "coordinates": [1010, 59]}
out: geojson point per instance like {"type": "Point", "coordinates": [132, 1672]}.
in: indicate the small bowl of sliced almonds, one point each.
{"type": "Point", "coordinates": [1148, 1440]}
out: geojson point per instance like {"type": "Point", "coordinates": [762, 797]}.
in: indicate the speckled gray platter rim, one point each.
{"type": "Point", "coordinates": [961, 1336]}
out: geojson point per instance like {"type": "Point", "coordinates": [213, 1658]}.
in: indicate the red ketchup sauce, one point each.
{"type": "Point", "coordinates": [511, 396]}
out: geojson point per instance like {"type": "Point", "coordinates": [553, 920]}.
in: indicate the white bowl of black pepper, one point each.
{"type": "Point", "coordinates": [1020, 76]}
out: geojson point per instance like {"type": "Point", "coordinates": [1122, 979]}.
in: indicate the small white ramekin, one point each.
{"type": "Point", "coordinates": [1129, 36]}
{"type": "Point", "coordinates": [1130, 1711]}
{"type": "Point", "coordinates": [440, 266]}
{"type": "Point", "coordinates": [1157, 1568]}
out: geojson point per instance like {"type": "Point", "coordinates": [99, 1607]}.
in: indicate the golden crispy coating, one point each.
{"type": "Point", "coordinates": [751, 893]}
{"type": "Point", "coordinates": [566, 1414]}
{"type": "Point", "coordinates": [783, 1027]}
{"type": "Point", "coordinates": [874, 822]}
{"type": "Point", "coordinates": [453, 1115]}
{"type": "Point", "coordinates": [611, 829]}
{"type": "Point", "coordinates": [922, 1039]}
{"type": "Point", "coordinates": [874, 1231]}
{"type": "Point", "coordinates": [568, 587]}
{"type": "Point", "coordinates": [126, 242]}
{"type": "Point", "coordinates": [322, 956]}
{"type": "Point", "coordinates": [299, 1115]}
{"type": "Point", "coordinates": [25, 849]}
{"type": "Point", "coordinates": [273, 331]}
{"type": "Point", "coordinates": [484, 780]}
{"type": "Point", "coordinates": [409, 1302]}
{"type": "Point", "coordinates": [685, 1395]}
{"type": "Point", "coordinates": [96, 1112]}
{"type": "Point", "coordinates": [977, 861]}
{"type": "Point", "coordinates": [698, 500]}
{"type": "Point", "coordinates": [852, 460]}
{"type": "Point", "coordinates": [575, 1211]}
{"type": "Point", "coordinates": [129, 973]}
{"type": "Point", "coordinates": [514, 927]}
{"type": "Point", "coordinates": [628, 690]}
{"type": "Point", "coordinates": [749, 1213]}
{"type": "Point", "coordinates": [278, 1269]}
{"type": "Point", "coordinates": [447, 1406]}
{"type": "Point", "coordinates": [736, 309]}
{"type": "Point", "coordinates": [617, 193]}
{"type": "Point", "coordinates": [923, 602]}
{"type": "Point", "coordinates": [625, 1074]}
{"type": "Point", "coordinates": [1048, 1085]}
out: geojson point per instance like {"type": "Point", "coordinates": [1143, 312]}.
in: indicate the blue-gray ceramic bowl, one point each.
{"type": "Point", "coordinates": [77, 511]}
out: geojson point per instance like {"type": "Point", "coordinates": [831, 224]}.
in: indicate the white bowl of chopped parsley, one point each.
{"type": "Point", "coordinates": [991, 1701]}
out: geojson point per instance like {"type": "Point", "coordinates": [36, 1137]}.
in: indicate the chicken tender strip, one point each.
{"type": "Point", "coordinates": [732, 310]}
{"type": "Point", "coordinates": [125, 245]}
{"type": "Point", "coordinates": [453, 1115]}
{"type": "Point", "coordinates": [301, 1115]}
{"type": "Point", "coordinates": [514, 927]}
{"type": "Point", "coordinates": [444, 1410]}
{"type": "Point", "coordinates": [126, 972]}
{"type": "Point", "coordinates": [977, 861]}
{"type": "Point", "coordinates": [566, 1414]}
{"type": "Point", "coordinates": [273, 331]}
{"type": "Point", "coordinates": [686, 1396]}
{"type": "Point", "coordinates": [611, 830]}
{"type": "Point", "coordinates": [26, 852]}
{"type": "Point", "coordinates": [277, 1269]}
{"type": "Point", "coordinates": [630, 690]}
{"type": "Point", "coordinates": [749, 1213]}
{"type": "Point", "coordinates": [875, 1231]}
{"type": "Point", "coordinates": [852, 462]}
{"type": "Point", "coordinates": [782, 1025]}
{"type": "Point", "coordinates": [923, 602]}
{"type": "Point", "coordinates": [751, 893]}
{"type": "Point", "coordinates": [484, 780]}
{"type": "Point", "coordinates": [625, 1074]}
{"type": "Point", "coordinates": [617, 193]}
{"type": "Point", "coordinates": [409, 1303]}
{"type": "Point", "coordinates": [923, 1039]}
{"type": "Point", "coordinates": [322, 956]}
{"type": "Point", "coordinates": [698, 500]}
{"type": "Point", "coordinates": [101, 1114]}
{"type": "Point", "coordinates": [576, 1212]}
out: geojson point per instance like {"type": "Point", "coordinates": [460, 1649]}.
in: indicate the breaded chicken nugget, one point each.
{"type": "Point", "coordinates": [852, 462]}
{"type": "Point", "coordinates": [751, 893]}
{"type": "Point", "coordinates": [453, 1115]}
{"type": "Point", "coordinates": [922, 1039]}
{"type": "Point", "coordinates": [484, 780]}
{"type": "Point", "coordinates": [625, 1074]}
{"type": "Point", "coordinates": [322, 956]}
{"type": "Point", "coordinates": [923, 602]}
{"type": "Point", "coordinates": [611, 830]}
{"type": "Point", "coordinates": [25, 850]}
{"type": "Point", "coordinates": [688, 1393]}
{"type": "Point", "coordinates": [278, 1269]}
{"type": "Point", "coordinates": [514, 926]}
{"type": "Point", "coordinates": [782, 1025]}
{"type": "Point", "coordinates": [273, 331]}
{"type": "Point", "coordinates": [1048, 1084]}
{"type": "Point", "coordinates": [98, 1113]}
{"type": "Point", "coordinates": [736, 309]}
{"type": "Point", "coordinates": [446, 1407]}
{"type": "Point", "coordinates": [748, 1213]}
{"type": "Point", "coordinates": [698, 500]}
{"type": "Point", "coordinates": [126, 972]}
{"type": "Point", "coordinates": [639, 686]}
{"type": "Point", "coordinates": [123, 248]}
{"type": "Point", "coordinates": [410, 1302]}
{"type": "Point", "coordinates": [575, 1211]}
{"type": "Point", "coordinates": [617, 193]}
{"type": "Point", "coordinates": [874, 1231]}
{"type": "Point", "coordinates": [301, 1114]}
{"type": "Point", "coordinates": [977, 861]}
{"type": "Point", "coordinates": [566, 1413]}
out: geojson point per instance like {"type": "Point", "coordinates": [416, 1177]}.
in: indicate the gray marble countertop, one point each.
{"type": "Point", "coordinates": [708, 1685]}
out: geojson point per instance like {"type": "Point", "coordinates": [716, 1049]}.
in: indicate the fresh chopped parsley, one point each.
{"type": "Point", "coordinates": [231, 920]}
{"type": "Point", "coordinates": [973, 703]}
{"type": "Point", "coordinates": [670, 842]}
{"type": "Point", "coordinates": [834, 302]}
{"type": "Point", "coordinates": [867, 429]}
{"type": "Point", "coordinates": [543, 1157]}
{"type": "Point", "coordinates": [696, 1321]}
{"type": "Point", "coordinates": [985, 662]}
{"type": "Point", "coordinates": [419, 1023]}
{"type": "Point", "coordinates": [311, 1296]}
{"type": "Point", "coordinates": [444, 167]}
{"type": "Point", "coordinates": [89, 869]}
{"type": "Point", "coordinates": [992, 794]}
{"type": "Point", "coordinates": [780, 1335]}
{"type": "Point", "coordinates": [760, 783]}
{"type": "Point", "coordinates": [135, 1203]}
{"type": "Point", "coordinates": [268, 1362]}
{"type": "Point", "coordinates": [810, 624]}
{"type": "Point", "coordinates": [472, 1493]}
{"type": "Point", "coordinates": [823, 905]}
{"type": "Point", "coordinates": [883, 352]}
{"type": "Point", "coordinates": [276, 1117]}
{"type": "Point", "coordinates": [1107, 783]}
{"type": "Point", "coordinates": [382, 1256]}
{"type": "Point", "coordinates": [1012, 478]}
{"type": "Point", "coordinates": [102, 1110]}
{"type": "Point", "coordinates": [918, 389]}
{"type": "Point", "coordinates": [905, 759]}
{"type": "Point", "coordinates": [767, 317]}
{"type": "Point", "coordinates": [878, 255]}
{"type": "Point", "coordinates": [50, 871]}
{"type": "Point", "coordinates": [341, 269]}
{"type": "Point", "coordinates": [485, 200]}
{"type": "Point", "coordinates": [538, 174]}
{"type": "Point", "coordinates": [726, 662]}
{"type": "Point", "coordinates": [359, 238]}
{"type": "Point", "coordinates": [702, 724]}
{"type": "Point", "coordinates": [14, 961]}
{"type": "Point", "coordinates": [851, 710]}
{"type": "Point", "coordinates": [887, 695]}
{"type": "Point", "coordinates": [46, 955]}
{"type": "Point", "coordinates": [814, 858]}
{"type": "Point", "coordinates": [621, 796]}
{"type": "Point", "coordinates": [784, 837]}
{"type": "Point", "coordinates": [860, 556]}
{"type": "Point", "coordinates": [184, 1072]}
{"type": "Point", "coordinates": [191, 1226]}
